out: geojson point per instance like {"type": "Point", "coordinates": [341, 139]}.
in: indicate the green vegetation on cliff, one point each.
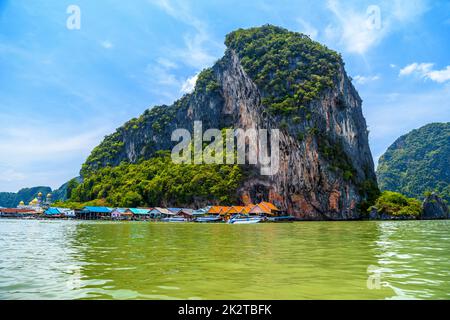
{"type": "Point", "coordinates": [159, 181]}
{"type": "Point", "coordinates": [288, 67]}
{"type": "Point", "coordinates": [396, 204]}
{"type": "Point", "coordinates": [418, 162]}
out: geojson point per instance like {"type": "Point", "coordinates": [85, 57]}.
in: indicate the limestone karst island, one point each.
{"type": "Point", "coordinates": [274, 162]}
{"type": "Point", "coordinates": [269, 78]}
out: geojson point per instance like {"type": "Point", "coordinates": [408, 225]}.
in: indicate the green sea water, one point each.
{"type": "Point", "coordinates": [305, 260]}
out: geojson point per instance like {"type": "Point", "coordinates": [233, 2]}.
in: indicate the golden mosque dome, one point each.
{"type": "Point", "coordinates": [21, 203]}
{"type": "Point", "coordinates": [40, 194]}
{"type": "Point", "coordinates": [34, 201]}
{"type": "Point", "coordinates": [49, 195]}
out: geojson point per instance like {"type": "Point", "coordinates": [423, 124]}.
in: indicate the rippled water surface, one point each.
{"type": "Point", "coordinates": [324, 260]}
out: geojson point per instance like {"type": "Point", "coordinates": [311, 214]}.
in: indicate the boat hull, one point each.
{"type": "Point", "coordinates": [174, 220]}
{"type": "Point", "coordinates": [208, 220]}
{"type": "Point", "coordinates": [281, 219]}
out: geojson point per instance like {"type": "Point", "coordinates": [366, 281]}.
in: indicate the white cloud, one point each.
{"type": "Point", "coordinates": [353, 30]}
{"type": "Point", "coordinates": [425, 71]}
{"type": "Point", "coordinates": [196, 52]}
{"type": "Point", "coordinates": [440, 76]}
{"type": "Point", "coordinates": [408, 10]}
{"type": "Point", "coordinates": [421, 68]}
{"type": "Point", "coordinates": [166, 63]}
{"type": "Point", "coordinates": [161, 76]}
{"type": "Point", "coordinates": [365, 79]}
{"type": "Point", "coordinates": [308, 29]}
{"type": "Point", "coordinates": [359, 30]}
{"type": "Point", "coordinates": [189, 85]}
{"type": "Point", "coordinates": [106, 44]}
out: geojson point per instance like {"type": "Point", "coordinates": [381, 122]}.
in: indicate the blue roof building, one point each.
{"type": "Point", "coordinates": [52, 212]}
{"type": "Point", "coordinates": [137, 211]}
{"type": "Point", "coordinates": [98, 209]}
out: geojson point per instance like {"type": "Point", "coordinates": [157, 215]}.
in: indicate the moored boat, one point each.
{"type": "Point", "coordinates": [245, 220]}
{"type": "Point", "coordinates": [174, 219]}
{"type": "Point", "coordinates": [208, 219]}
{"type": "Point", "coordinates": [281, 219]}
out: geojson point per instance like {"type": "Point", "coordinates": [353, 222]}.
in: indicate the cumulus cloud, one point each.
{"type": "Point", "coordinates": [440, 76]}
{"type": "Point", "coordinates": [425, 71]}
{"type": "Point", "coordinates": [422, 68]}
{"type": "Point", "coordinates": [189, 85]}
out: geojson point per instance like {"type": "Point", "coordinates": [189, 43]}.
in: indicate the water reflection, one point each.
{"type": "Point", "coordinates": [414, 258]}
{"type": "Point", "coordinates": [292, 261]}
{"type": "Point", "coordinates": [327, 260]}
{"type": "Point", "coordinates": [36, 260]}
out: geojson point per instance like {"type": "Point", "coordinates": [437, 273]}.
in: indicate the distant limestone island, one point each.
{"type": "Point", "coordinates": [418, 162]}
{"type": "Point", "coordinates": [28, 195]}
{"type": "Point", "coordinates": [416, 166]}
{"type": "Point", "coordinates": [270, 78]}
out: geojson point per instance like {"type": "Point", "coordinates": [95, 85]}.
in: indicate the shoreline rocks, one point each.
{"type": "Point", "coordinates": [434, 208]}
{"type": "Point", "coordinates": [375, 215]}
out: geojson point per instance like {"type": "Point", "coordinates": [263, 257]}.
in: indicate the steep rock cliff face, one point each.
{"type": "Point", "coordinates": [326, 168]}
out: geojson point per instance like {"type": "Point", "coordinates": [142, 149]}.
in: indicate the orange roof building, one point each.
{"type": "Point", "coordinates": [239, 210]}
{"type": "Point", "coordinates": [220, 210]}
{"type": "Point", "coordinates": [264, 208]}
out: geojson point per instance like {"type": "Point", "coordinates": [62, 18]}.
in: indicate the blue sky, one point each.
{"type": "Point", "coordinates": [62, 90]}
